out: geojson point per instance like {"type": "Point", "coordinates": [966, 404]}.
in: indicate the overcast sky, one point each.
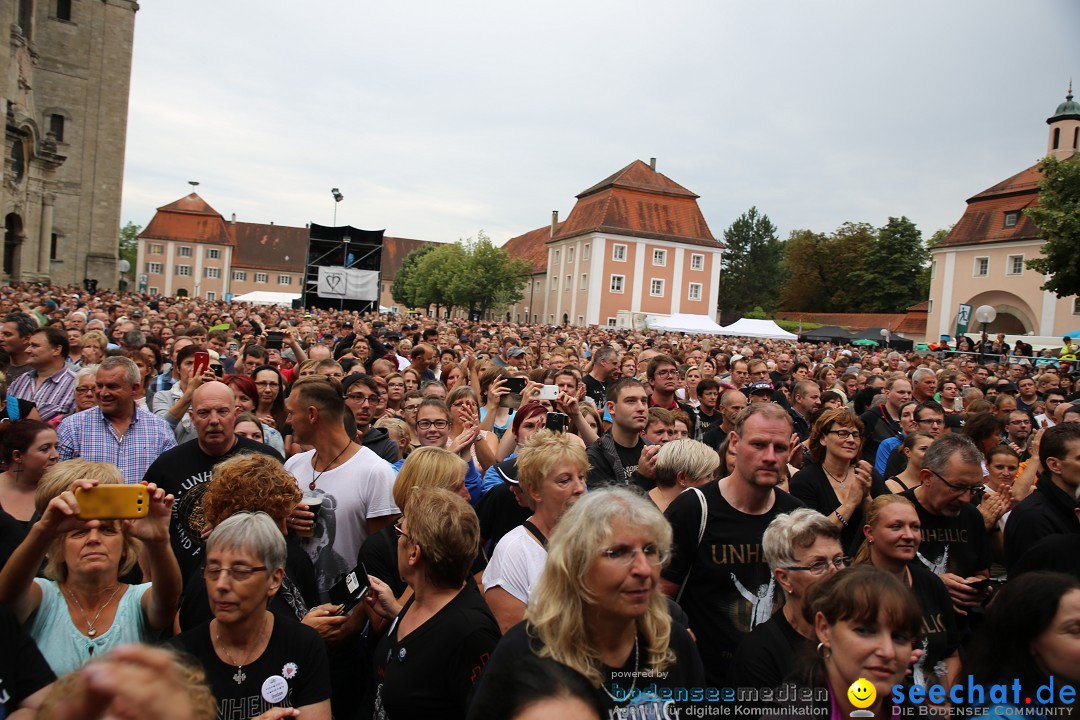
{"type": "Point", "coordinates": [438, 119]}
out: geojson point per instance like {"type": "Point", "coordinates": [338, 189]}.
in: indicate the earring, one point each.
{"type": "Point", "coordinates": [870, 543]}
{"type": "Point", "coordinates": [824, 651]}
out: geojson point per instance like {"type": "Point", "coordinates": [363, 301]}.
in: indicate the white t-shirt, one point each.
{"type": "Point", "coordinates": [361, 488]}
{"type": "Point", "coordinates": [516, 564]}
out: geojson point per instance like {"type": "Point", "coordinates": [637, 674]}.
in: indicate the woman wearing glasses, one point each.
{"type": "Point", "coordinates": [893, 535]}
{"type": "Point", "coordinates": [427, 662]}
{"type": "Point", "coordinates": [801, 548]}
{"type": "Point", "coordinates": [255, 660]}
{"type": "Point", "coordinates": [597, 607]}
{"type": "Point", "coordinates": [837, 483]}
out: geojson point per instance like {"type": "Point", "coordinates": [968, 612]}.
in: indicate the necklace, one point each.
{"type": "Point", "coordinates": [239, 675]}
{"type": "Point", "coordinates": [629, 692]}
{"type": "Point", "coordinates": [837, 480]}
{"type": "Point", "coordinates": [316, 475]}
{"type": "Point", "coordinates": [91, 631]}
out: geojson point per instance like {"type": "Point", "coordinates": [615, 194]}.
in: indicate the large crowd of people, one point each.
{"type": "Point", "coordinates": [361, 515]}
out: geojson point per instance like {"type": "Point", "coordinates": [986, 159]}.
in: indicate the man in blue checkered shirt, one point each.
{"type": "Point", "coordinates": [116, 431]}
{"type": "Point", "coordinates": [50, 383]}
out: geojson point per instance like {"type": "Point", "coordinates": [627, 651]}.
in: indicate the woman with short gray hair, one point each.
{"type": "Point", "coordinates": [254, 659]}
{"type": "Point", "coordinates": [801, 548]}
{"type": "Point", "coordinates": [682, 464]}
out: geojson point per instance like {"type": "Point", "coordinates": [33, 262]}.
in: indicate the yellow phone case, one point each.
{"type": "Point", "coordinates": [113, 502]}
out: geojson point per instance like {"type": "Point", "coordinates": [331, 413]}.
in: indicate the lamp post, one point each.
{"type": "Point", "coordinates": [984, 314]}
{"type": "Point", "coordinates": [338, 197]}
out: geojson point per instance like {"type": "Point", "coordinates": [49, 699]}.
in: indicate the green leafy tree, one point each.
{"type": "Point", "coordinates": [490, 277]}
{"type": "Point", "coordinates": [809, 272]}
{"type": "Point", "coordinates": [849, 246]}
{"type": "Point", "coordinates": [129, 246]}
{"type": "Point", "coordinates": [752, 274]}
{"type": "Point", "coordinates": [884, 280]}
{"type": "Point", "coordinates": [401, 289]}
{"type": "Point", "coordinates": [1058, 218]}
{"type": "Point", "coordinates": [434, 277]}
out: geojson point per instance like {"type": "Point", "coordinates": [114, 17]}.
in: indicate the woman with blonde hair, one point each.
{"type": "Point", "coordinates": [597, 607]}
{"type": "Point", "coordinates": [82, 608]}
{"type": "Point", "coordinates": [682, 464]}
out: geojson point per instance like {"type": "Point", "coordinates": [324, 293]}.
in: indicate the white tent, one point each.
{"type": "Point", "coordinates": [266, 297]}
{"type": "Point", "coordinates": [693, 324]}
{"type": "Point", "coordinates": [748, 327]}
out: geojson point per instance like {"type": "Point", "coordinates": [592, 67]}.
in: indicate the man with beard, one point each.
{"type": "Point", "coordinates": [719, 575]}
{"type": "Point", "coordinates": [622, 456]}
{"type": "Point", "coordinates": [954, 545]}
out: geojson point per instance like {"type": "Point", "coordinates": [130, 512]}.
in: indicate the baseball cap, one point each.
{"type": "Point", "coordinates": [515, 351]}
{"type": "Point", "coordinates": [760, 386]}
{"type": "Point", "coordinates": [507, 471]}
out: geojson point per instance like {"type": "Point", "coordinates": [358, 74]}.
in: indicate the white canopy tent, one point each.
{"type": "Point", "coordinates": [693, 324]}
{"type": "Point", "coordinates": [266, 297]}
{"type": "Point", "coordinates": [748, 327]}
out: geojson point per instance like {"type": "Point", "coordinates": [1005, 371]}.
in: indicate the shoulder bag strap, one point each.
{"type": "Point", "coordinates": [535, 532]}
{"type": "Point", "coordinates": [700, 535]}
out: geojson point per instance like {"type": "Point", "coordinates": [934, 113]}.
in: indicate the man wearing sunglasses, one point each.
{"type": "Point", "coordinates": [955, 545]}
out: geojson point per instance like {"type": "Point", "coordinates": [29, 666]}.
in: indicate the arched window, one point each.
{"type": "Point", "coordinates": [1076, 138]}
{"type": "Point", "coordinates": [1057, 137]}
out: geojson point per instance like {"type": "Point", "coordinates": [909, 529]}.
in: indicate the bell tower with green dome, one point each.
{"type": "Point", "coordinates": [1064, 125]}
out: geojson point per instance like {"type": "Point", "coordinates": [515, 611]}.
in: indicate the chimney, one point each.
{"type": "Point", "coordinates": [652, 164]}
{"type": "Point", "coordinates": [233, 221]}
{"type": "Point", "coordinates": [554, 222]}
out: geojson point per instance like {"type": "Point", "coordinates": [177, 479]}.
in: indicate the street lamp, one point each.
{"type": "Point", "coordinates": [338, 197]}
{"type": "Point", "coordinates": [984, 314]}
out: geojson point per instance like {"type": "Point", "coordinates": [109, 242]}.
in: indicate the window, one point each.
{"type": "Point", "coordinates": [212, 273]}
{"type": "Point", "coordinates": [659, 257]}
{"type": "Point", "coordinates": [618, 253]}
{"type": "Point", "coordinates": [569, 282]}
{"type": "Point", "coordinates": [929, 306]}
{"type": "Point", "coordinates": [56, 126]}
{"type": "Point", "coordinates": [152, 290]}
{"type": "Point", "coordinates": [585, 252]}
{"type": "Point", "coordinates": [581, 320]}
{"type": "Point", "coordinates": [213, 253]}
{"type": "Point", "coordinates": [584, 281]}
{"type": "Point", "coordinates": [261, 277]}
{"type": "Point", "coordinates": [183, 251]}
{"type": "Point", "coordinates": [982, 266]}
{"type": "Point", "coordinates": [656, 287]}
{"type": "Point", "coordinates": [239, 275]}
{"type": "Point", "coordinates": [63, 10]}
{"type": "Point", "coordinates": [1011, 218]}
{"type": "Point", "coordinates": [933, 269]}
{"type": "Point", "coordinates": [694, 291]}
{"type": "Point", "coordinates": [569, 255]}
{"type": "Point", "coordinates": [153, 268]}
{"type": "Point", "coordinates": [1015, 265]}
{"type": "Point", "coordinates": [1076, 306]}
{"type": "Point", "coordinates": [184, 270]}
{"type": "Point", "coordinates": [54, 241]}
{"type": "Point", "coordinates": [551, 319]}
{"type": "Point", "coordinates": [284, 279]}
{"type": "Point", "coordinates": [554, 283]}
{"type": "Point", "coordinates": [611, 321]}
{"type": "Point", "coordinates": [617, 283]}
{"type": "Point", "coordinates": [211, 295]}
{"type": "Point", "coordinates": [697, 261]}
{"type": "Point", "coordinates": [155, 249]}
{"type": "Point", "coordinates": [1057, 137]}
{"type": "Point", "coordinates": [537, 285]}
{"type": "Point", "coordinates": [556, 257]}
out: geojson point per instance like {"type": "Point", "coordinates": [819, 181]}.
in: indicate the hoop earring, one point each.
{"type": "Point", "coordinates": [824, 651]}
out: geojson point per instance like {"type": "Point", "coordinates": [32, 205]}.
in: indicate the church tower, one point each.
{"type": "Point", "coordinates": [1064, 128]}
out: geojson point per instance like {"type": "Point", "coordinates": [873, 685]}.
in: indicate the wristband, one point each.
{"type": "Point", "coordinates": [841, 519]}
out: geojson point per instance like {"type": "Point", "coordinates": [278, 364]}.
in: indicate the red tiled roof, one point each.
{"type": "Point", "coordinates": [914, 323]}
{"type": "Point", "coordinates": [637, 201]}
{"type": "Point", "coordinates": [532, 247]}
{"type": "Point", "coordinates": [984, 219]}
{"type": "Point", "coordinates": [189, 219]}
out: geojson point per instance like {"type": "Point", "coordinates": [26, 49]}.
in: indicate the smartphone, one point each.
{"type": "Point", "coordinates": [512, 399]}
{"type": "Point", "coordinates": [350, 589]}
{"type": "Point", "coordinates": [516, 384]}
{"type": "Point", "coordinates": [548, 392]}
{"type": "Point", "coordinates": [557, 421]}
{"type": "Point", "coordinates": [112, 502]}
{"type": "Point", "coordinates": [202, 363]}
{"type": "Point", "coordinates": [274, 340]}
{"type": "Point", "coordinates": [219, 370]}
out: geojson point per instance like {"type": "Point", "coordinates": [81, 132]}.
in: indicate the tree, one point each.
{"type": "Point", "coordinates": [849, 246]}
{"type": "Point", "coordinates": [400, 289]}
{"type": "Point", "coordinates": [808, 270]}
{"type": "Point", "coordinates": [752, 274]}
{"type": "Point", "coordinates": [1058, 218]}
{"type": "Point", "coordinates": [129, 245]}
{"type": "Point", "coordinates": [883, 283]}
{"type": "Point", "coordinates": [435, 275]}
{"type": "Point", "coordinates": [490, 277]}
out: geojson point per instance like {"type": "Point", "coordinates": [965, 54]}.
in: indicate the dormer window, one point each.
{"type": "Point", "coordinates": [1011, 218]}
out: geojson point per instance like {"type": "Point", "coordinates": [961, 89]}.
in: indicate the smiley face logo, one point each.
{"type": "Point", "coordinates": [862, 693]}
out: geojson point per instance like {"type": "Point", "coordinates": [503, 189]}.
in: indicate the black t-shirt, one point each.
{"type": "Point", "coordinates": [939, 636]}
{"type": "Point", "coordinates": [629, 458]}
{"type": "Point", "coordinates": [499, 513]}
{"type": "Point", "coordinates": [23, 670]}
{"type": "Point", "coordinates": [178, 470]}
{"type": "Point", "coordinates": [596, 390]}
{"type": "Point", "coordinates": [12, 533]}
{"type": "Point", "coordinates": [812, 486]}
{"type": "Point", "coordinates": [430, 672]}
{"type": "Point", "coordinates": [769, 655]}
{"type": "Point", "coordinates": [379, 554]}
{"type": "Point", "coordinates": [878, 425]}
{"type": "Point", "coordinates": [955, 545]}
{"type": "Point", "coordinates": [295, 653]}
{"type": "Point", "coordinates": [729, 589]}
{"type": "Point", "coordinates": [706, 421]}
{"type": "Point", "coordinates": [646, 700]}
